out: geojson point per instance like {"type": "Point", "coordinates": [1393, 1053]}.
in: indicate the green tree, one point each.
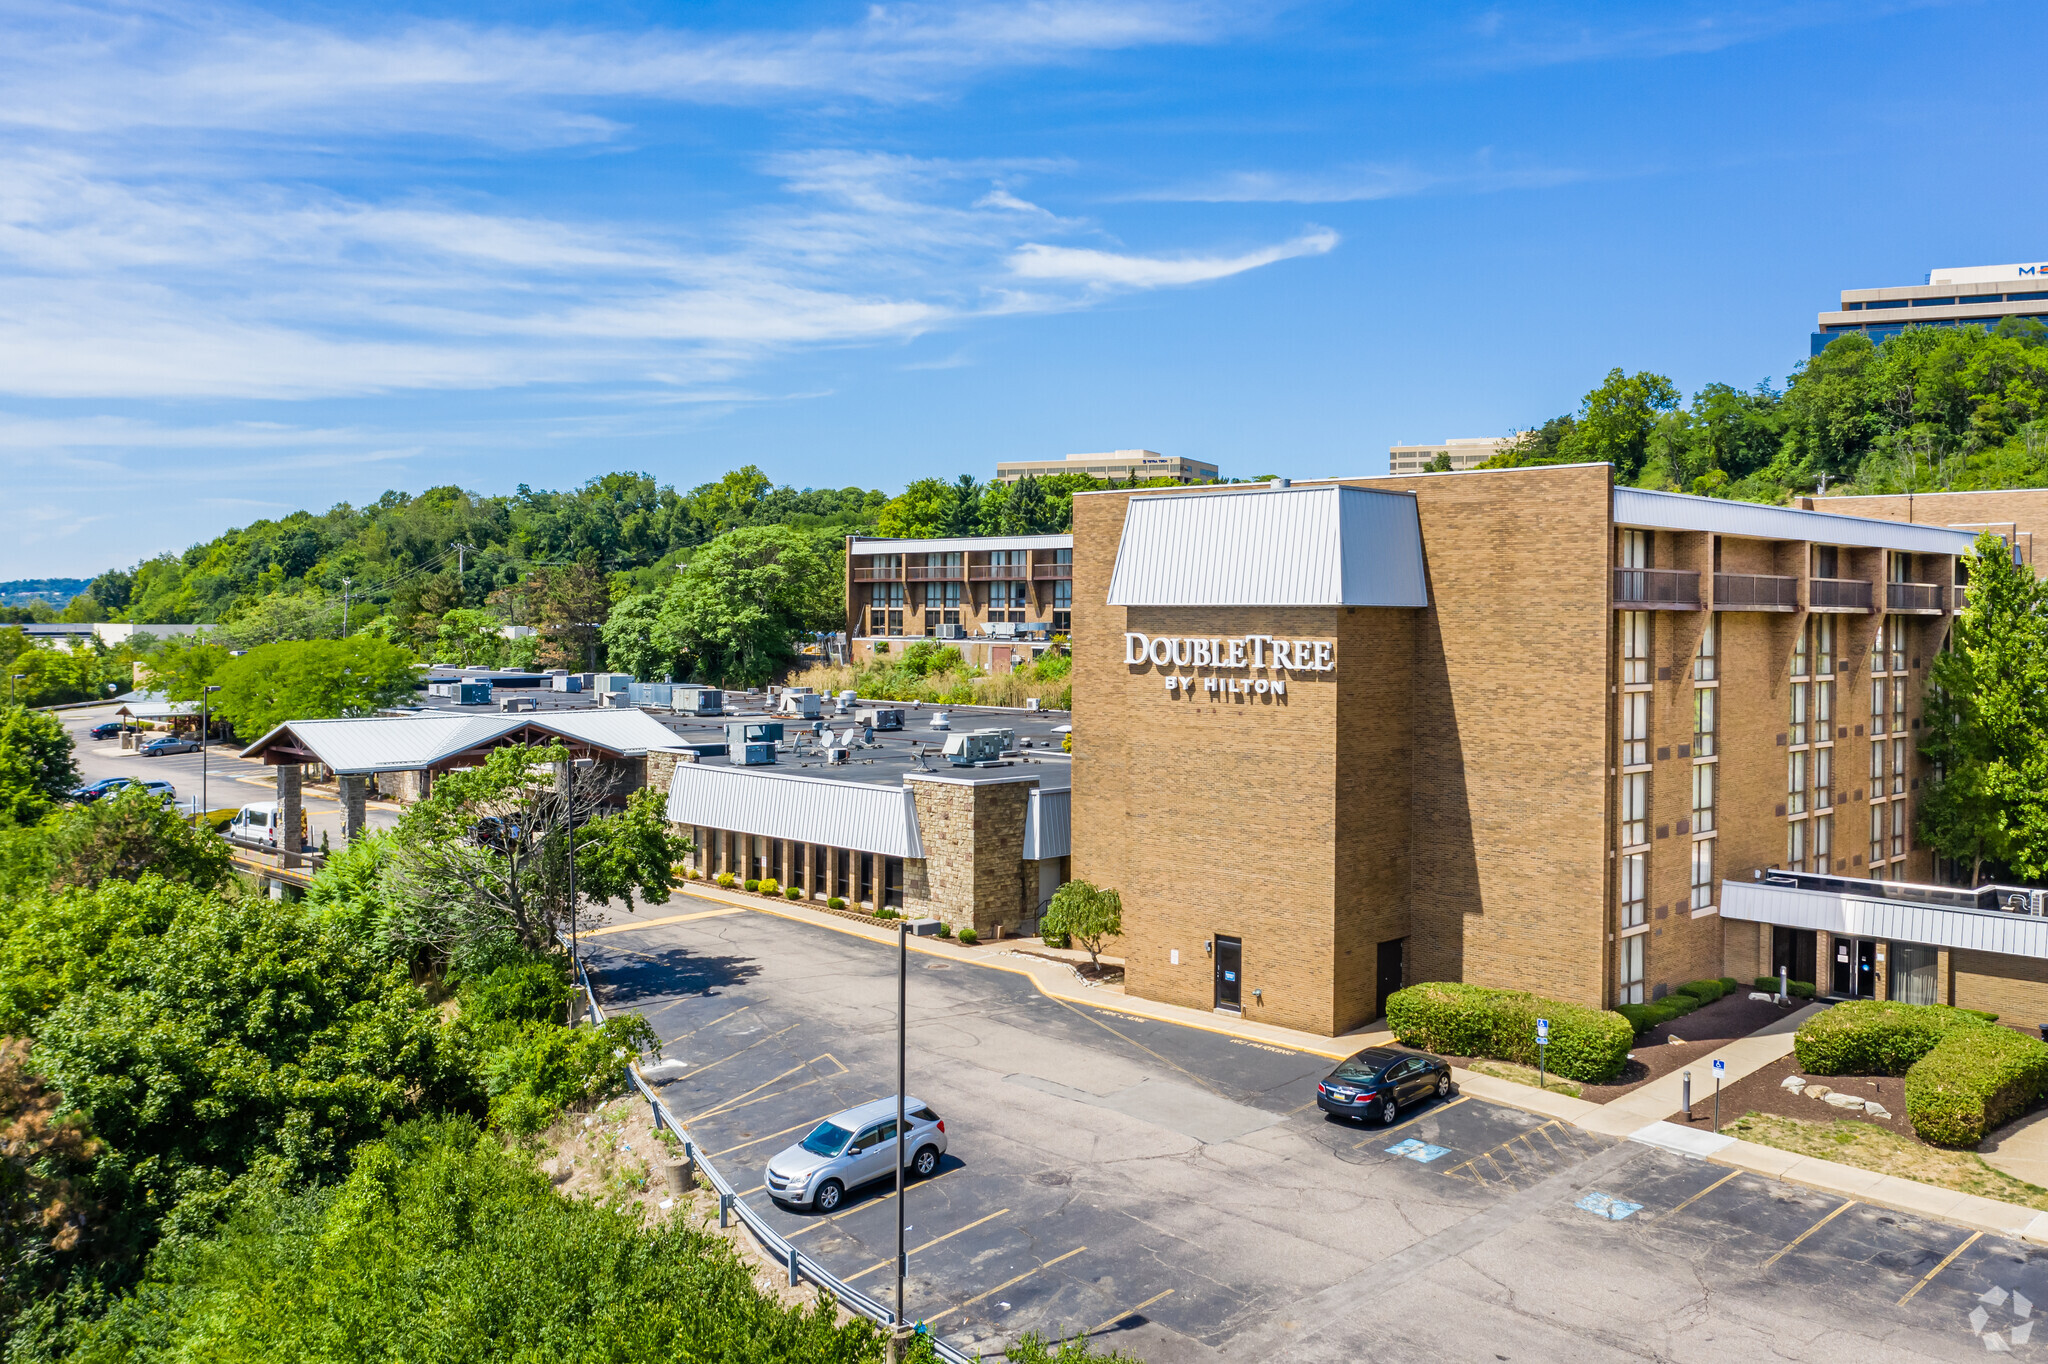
{"type": "Point", "coordinates": [311, 680]}
{"type": "Point", "coordinates": [54, 944]}
{"type": "Point", "coordinates": [467, 634]}
{"type": "Point", "coordinates": [181, 665]}
{"type": "Point", "coordinates": [132, 833]}
{"type": "Point", "coordinates": [747, 600]}
{"type": "Point", "coordinates": [633, 639]}
{"type": "Point", "coordinates": [1986, 729]}
{"type": "Point", "coordinates": [1085, 915]}
{"type": "Point", "coordinates": [928, 507]}
{"type": "Point", "coordinates": [1615, 421]}
{"type": "Point", "coordinates": [36, 764]}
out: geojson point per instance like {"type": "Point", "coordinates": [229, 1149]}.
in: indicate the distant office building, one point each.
{"type": "Point", "coordinates": [1117, 464]}
{"type": "Point", "coordinates": [1953, 297]}
{"type": "Point", "coordinates": [1465, 452]}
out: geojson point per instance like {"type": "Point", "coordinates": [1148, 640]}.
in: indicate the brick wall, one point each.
{"type": "Point", "coordinates": [2014, 988]}
{"type": "Point", "coordinates": [2006, 510]}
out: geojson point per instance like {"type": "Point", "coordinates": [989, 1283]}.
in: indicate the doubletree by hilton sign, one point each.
{"type": "Point", "coordinates": [1240, 653]}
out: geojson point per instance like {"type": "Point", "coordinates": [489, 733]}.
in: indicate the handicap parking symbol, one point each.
{"type": "Point", "coordinates": [1607, 1206]}
{"type": "Point", "coordinates": [1417, 1150]}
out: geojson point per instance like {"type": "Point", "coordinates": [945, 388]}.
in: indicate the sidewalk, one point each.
{"type": "Point", "coordinates": [1638, 1116]}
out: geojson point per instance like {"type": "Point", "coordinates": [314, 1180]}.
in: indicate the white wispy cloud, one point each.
{"type": "Point", "coordinates": [1513, 37]}
{"type": "Point", "coordinates": [1362, 183]}
{"type": "Point", "coordinates": [1109, 269]}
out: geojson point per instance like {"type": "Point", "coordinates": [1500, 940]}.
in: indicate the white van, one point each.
{"type": "Point", "coordinates": [259, 824]}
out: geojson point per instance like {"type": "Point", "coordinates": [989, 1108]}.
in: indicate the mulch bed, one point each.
{"type": "Point", "coordinates": [1762, 1091]}
{"type": "Point", "coordinates": [1699, 1033]}
{"type": "Point", "coordinates": [1099, 974]}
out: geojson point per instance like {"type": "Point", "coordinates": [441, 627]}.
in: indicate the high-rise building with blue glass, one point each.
{"type": "Point", "coordinates": [1960, 296]}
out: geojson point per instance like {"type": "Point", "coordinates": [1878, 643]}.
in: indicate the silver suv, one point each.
{"type": "Point", "coordinates": [851, 1148]}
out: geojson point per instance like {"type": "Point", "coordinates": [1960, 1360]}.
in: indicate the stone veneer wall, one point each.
{"type": "Point", "coordinates": [973, 874]}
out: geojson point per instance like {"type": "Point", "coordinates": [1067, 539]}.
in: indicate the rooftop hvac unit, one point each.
{"type": "Point", "coordinates": [742, 732]}
{"type": "Point", "coordinates": [1002, 629]}
{"type": "Point", "coordinates": [807, 704]}
{"type": "Point", "coordinates": [472, 693]}
{"type": "Point", "coordinates": [950, 632]}
{"type": "Point", "coordinates": [750, 755]}
{"type": "Point", "coordinates": [942, 719]}
{"type": "Point", "coordinates": [568, 682]}
{"type": "Point", "coordinates": [880, 717]}
{"type": "Point", "coordinates": [978, 746]}
{"type": "Point", "coordinates": [836, 757]}
{"type": "Point", "coordinates": [698, 700]}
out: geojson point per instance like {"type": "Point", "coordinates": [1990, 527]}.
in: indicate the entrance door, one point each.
{"type": "Point", "coordinates": [1866, 968]}
{"type": "Point", "coordinates": [1792, 948]}
{"type": "Point", "coordinates": [1230, 974]}
{"type": "Point", "coordinates": [1844, 981]}
{"type": "Point", "coordinates": [1855, 968]}
{"type": "Point", "coordinates": [1389, 975]}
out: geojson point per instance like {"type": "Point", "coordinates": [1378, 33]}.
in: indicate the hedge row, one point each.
{"type": "Point", "coordinates": [1470, 1020]}
{"type": "Point", "coordinates": [1678, 1003]}
{"type": "Point", "coordinates": [1798, 989]}
{"type": "Point", "coordinates": [1965, 1076]}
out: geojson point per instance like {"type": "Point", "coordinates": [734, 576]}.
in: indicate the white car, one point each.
{"type": "Point", "coordinates": [853, 1148]}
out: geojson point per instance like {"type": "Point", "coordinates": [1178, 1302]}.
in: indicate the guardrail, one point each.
{"type": "Point", "coordinates": [798, 1264]}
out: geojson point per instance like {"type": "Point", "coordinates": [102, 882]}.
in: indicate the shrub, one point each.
{"type": "Point", "coordinates": [1643, 1017]}
{"type": "Point", "coordinates": [884, 912]}
{"type": "Point", "coordinates": [969, 936]}
{"type": "Point", "coordinates": [792, 892]}
{"type": "Point", "coordinates": [1975, 1079]}
{"type": "Point", "coordinates": [1051, 939]}
{"type": "Point", "coordinates": [1678, 1004]}
{"type": "Point", "coordinates": [1469, 1020]}
{"type": "Point", "coordinates": [945, 929]}
{"type": "Point", "coordinates": [1729, 985]}
{"type": "Point", "coordinates": [1705, 991]}
{"type": "Point", "coordinates": [1875, 1037]}
{"type": "Point", "coordinates": [1800, 989]}
{"type": "Point", "coordinates": [768, 887]}
{"type": "Point", "coordinates": [750, 884]}
{"type": "Point", "coordinates": [725, 879]}
{"type": "Point", "coordinates": [836, 902]}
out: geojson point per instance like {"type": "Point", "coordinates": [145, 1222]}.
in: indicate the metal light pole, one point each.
{"type": "Point", "coordinates": [569, 803]}
{"type": "Point", "coordinates": [205, 734]}
{"type": "Point", "coordinates": [902, 1031]}
{"type": "Point", "coordinates": [17, 677]}
{"type": "Point", "coordinates": [344, 606]}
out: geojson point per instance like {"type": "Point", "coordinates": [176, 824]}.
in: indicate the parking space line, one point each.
{"type": "Point", "coordinates": [862, 1207]}
{"type": "Point", "coordinates": [758, 1140]}
{"type": "Point", "coordinates": [741, 1052]}
{"type": "Point", "coordinates": [1139, 1045]}
{"type": "Point", "coordinates": [1946, 1261]}
{"type": "Point", "coordinates": [712, 1024]}
{"type": "Point", "coordinates": [1007, 1283]}
{"type": "Point", "coordinates": [661, 923]}
{"type": "Point", "coordinates": [734, 1101]}
{"type": "Point", "coordinates": [726, 1111]}
{"type": "Point", "coordinates": [1665, 1217]}
{"type": "Point", "coordinates": [1426, 1113]}
{"type": "Point", "coordinates": [1126, 1316]}
{"type": "Point", "coordinates": [1847, 1204]}
{"type": "Point", "coordinates": [884, 1264]}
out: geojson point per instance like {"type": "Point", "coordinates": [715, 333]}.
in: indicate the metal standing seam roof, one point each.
{"type": "Point", "coordinates": [1680, 511]}
{"type": "Point", "coordinates": [1849, 915]}
{"type": "Point", "coordinates": [837, 814]}
{"type": "Point", "coordinates": [407, 743]}
{"type": "Point", "coordinates": [1048, 824]}
{"type": "Point", "coordinates": [1319, 546]}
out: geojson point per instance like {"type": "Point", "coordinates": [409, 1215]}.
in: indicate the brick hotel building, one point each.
{"type": "Point", "coordinates": [1518, 728]}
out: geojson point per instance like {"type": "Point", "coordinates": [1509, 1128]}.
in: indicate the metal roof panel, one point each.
{"type": "Point", "coordinates": [876, 819]}
{"type": "Point", "coordinates": [1680, 511]}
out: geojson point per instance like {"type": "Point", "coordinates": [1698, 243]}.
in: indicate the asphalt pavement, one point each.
{"type": "Point", "coordinates": [1174, 1191]}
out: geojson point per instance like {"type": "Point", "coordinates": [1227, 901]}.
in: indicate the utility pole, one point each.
{"type": "Point", "coordinates": [902, 1031]}
{"type": "Point", "coordinates": [205, 734]}
{"type": "Point", "coordinates": [460, 550]}
{"type": "Point", "coordinates": [11, 680]}
{"type": "Point", "coordinates": [344, 606]}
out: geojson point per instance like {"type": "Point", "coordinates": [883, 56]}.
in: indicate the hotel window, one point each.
{"type": "Point", "coordinates": [1824, 646]}
{"type": "Point", "coordinates": [1896, 628]}
{"type": "Point", "coordinates": [1823, 712]}
{"type": "Point", "coordinates": [1876, 766]}
{"type": "Point", "coordinates": [1898, 766]}
{"type": "Point", "coordinates": [1795, 845]}
{"type": "Point", "coordinates": [1635, 809]}
{"type": "Point", "coordinates": [1823, 778]}
{"type": "Point", "coordinates": [892, 882]}
{"type": "Point", "coordinates": [1876, 837]}
{"type": "Point", "coordinates": [1898, 828]}
{"type": "Point", "coordinates": [843, 885]}
{"type": "Point", "coordinates": [1063, 605]}
{"type": "Point", "coordinates": [1703, 661]}
{"type": "Point", "coordinates": [941, 606]}
{"type": "Point", "coordinates": [1795, 782]}
{"type": "Point", "coordinates": [1823, 841]}
{"type": "Point", "coordinates": [1877, 694]}
{"type": "Point", "coordinates": [1635, 549]}
{"type": "Point", "coordinates": [1703, 873]}
{"type": "Point", "coordinates": [885, 612]}
{"type": "Point", "coordinates": [867, 878]}
{"type": "Point", "coordinates": [1898, 705]}
{"type": "Point", "coordinates": [1635, 647]}
{"type": "Point", "coordinates": [1798, 713]}
{"type": "Point", "coordinates": [1629, 969]}
{"type": "Point", "coordinates": [1800, 657]}
{"type": "Point", "coordinates": [1704, 699]}
{"type": "Point", "coordinates": [1635, 728]}
{"type": "Point", "coordinates": [1703, 798]}
{"type": "Point", "coordinates": [1635, 908]}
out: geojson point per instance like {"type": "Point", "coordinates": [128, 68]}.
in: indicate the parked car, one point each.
{"type": "Point", "coordinates": [106, 786]}
{"type": "Point", "coordinates": [112, 728]}
{"type": "Point", "coordinates": [853, 1148]}
{"type": "Point", "coordinates": [1381, 1081]}
{"type": "Point", "coordinates": [170, 743]}
{"type": "Point", "coordinates": [164, 789]}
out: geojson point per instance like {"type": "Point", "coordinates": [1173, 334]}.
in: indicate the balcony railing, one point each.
{"type": "Point", "coordinates": [865, 574]}
{"type": "Point", "coordinates": [1838, 594]}
{"type": "Point", "coordinates": [1755, 592]}
{"type": "Point", "coordinates": [997, 573]}
{"type": "Point", "coordinates": [936, 573]}
{"type": "Point", "coordinates": [1043, 571]}
{"type": "Point", "coordinates": [1962, 598]}
{"type": "Point", "coordinates": [1657, 589]}
{"type": "Point", "coordinates": [1913, 597]}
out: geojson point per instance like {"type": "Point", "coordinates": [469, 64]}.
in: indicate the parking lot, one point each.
{"type": "Point", "coordinates": [1174, 1192]}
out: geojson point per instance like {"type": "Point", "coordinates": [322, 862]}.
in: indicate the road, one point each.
{"type": "Point", "coordinates": [230, 782]}
{"type": "Point", "coordinates": [1174, 1192]}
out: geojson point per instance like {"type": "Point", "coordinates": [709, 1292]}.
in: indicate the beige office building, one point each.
{"type": "Point", "coordinates": [1117, 464]}
{"type": "Point", "coordinates": [1465, 452]}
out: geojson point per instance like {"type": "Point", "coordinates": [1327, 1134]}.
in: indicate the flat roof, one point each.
{"type": "Point", "coordinates": [898, 753]}
{"type": "Point", "coordinates": [862, 544]}
{"type": "Point", "coordinates": [1757, 520]}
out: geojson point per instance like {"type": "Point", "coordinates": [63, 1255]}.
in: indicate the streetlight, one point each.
{"type": "Point", "coordinates": [569, 804]}
{"type": "Point", "coordinates": [205, 733]}
{"type": "Point", "coordinates": [17, 677]}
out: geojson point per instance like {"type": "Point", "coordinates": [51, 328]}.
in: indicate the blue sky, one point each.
{"type": "Point", "coordinates": [262, 259]}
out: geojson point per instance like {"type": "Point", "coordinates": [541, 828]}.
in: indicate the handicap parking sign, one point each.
{"type": "Point", "coordinates": [1542, 1030]}
{"type": "Point", "coordinates": [1720, 1068]}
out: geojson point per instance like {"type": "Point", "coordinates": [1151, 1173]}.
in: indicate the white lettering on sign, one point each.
{"type": "Point", "coordinates": [1242, 652]}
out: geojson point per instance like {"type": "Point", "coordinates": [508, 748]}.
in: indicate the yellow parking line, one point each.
{"type": "Point", "coordinates": [884, 1264]}
{"type": "Point", "coordinates": [1847, 1204]}
{"type": "Point", "coordinates": [660, 923]}
{"type": "Point", "coordinates": [1698, 1196]}
{"type": "Point", "coordinates": [758, 1140]}
{"type": "Point", "coordinates": [1006, 1284]}
{"type": "Point", "coordinates": [860, 1207]}
{"type": "Point", "coordinates": [1946, 1261]}
{"type": "Point", "coordinates": [734, 1101]}
{"type": "Point", "coordinates": [1384, 1132]}
{"type": "Point", "coordinates": [1126, 1316]}
{"type": "Point", "coordinates": [741, 1052]}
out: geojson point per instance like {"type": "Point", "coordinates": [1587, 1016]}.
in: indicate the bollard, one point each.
{"type": "Point", "coordinates": [1784, 989]}
{"type": "Point", "coordinates": [792, 1266]}
{"type": "Point", "coordinates": [1685, 1088]}
{"type": "Point", "coordinates": [677, 1173]}
{"type": "Point", "coordinates": [724, 1210]}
